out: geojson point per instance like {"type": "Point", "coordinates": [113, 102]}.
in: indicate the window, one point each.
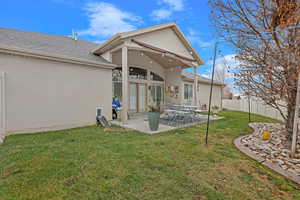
{"type": "Point", "coordinates": [134, 73]}
{"type": "Point", "coordinates": [156, 94]}
{"type": "Point", "coordinates": [117, 74]}
{"type": "Point", "coordinates": [188, 91]}
{"type": "Point", "coordinates": [137, 73]}
{"type": "Point", "coordinates": [117, 83]}
{"type": "Point", "coordinates": [117, 90]}
{"type": "Point", "coordinates": [155, 77]}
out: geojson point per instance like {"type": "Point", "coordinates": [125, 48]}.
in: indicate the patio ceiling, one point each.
{"type": "Point", "coordinates": [166, 58]}
{"type": "Point", "coordinates": [167, 61]}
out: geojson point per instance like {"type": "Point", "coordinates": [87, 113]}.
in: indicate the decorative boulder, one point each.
{"type": "Point", "coordinates": [266, 135]}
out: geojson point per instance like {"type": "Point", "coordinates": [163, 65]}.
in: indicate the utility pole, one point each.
{"type": "Point", "coordinates": [210, 95]}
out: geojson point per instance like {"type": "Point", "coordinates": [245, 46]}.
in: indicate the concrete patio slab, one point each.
{"type": "Point", "coordinates": [140, 123]}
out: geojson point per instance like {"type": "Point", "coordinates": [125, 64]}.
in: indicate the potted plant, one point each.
{"type": "Point", "coordinates": [153, 117]}
{"type": "Point", "coordinates": [215, 109]}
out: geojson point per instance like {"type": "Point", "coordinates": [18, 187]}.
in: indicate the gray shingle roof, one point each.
{"type": "Point", "coordinates": [190, 77]}
{"type": "Point", "coordinates": [50, 44]}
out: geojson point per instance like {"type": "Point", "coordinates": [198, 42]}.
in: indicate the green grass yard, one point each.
{"type": "Point", "coordinates": [114, 163]}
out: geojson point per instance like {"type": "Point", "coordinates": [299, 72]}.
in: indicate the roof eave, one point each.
{"type": "Point", "coordinates": [188, 45]}
{"type": "Point", "coordinates": [184, 78]}
{"type": "Point", "coordinates": [38, 54]}
{"type": "Point", "coordinates": [99, 49]}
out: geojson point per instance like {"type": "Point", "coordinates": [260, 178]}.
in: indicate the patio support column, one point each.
{"type": "Point", "coordinates": [125, 92]}
{"type": "Point", "coordinates": [195, 86]}
{"type": "Point", "coordinates": [147, 85]}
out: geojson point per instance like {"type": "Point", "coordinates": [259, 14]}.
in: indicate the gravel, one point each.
{"type": "Point", "coordinates": [275, 149]}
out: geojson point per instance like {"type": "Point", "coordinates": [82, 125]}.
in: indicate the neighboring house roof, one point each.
{"type": "Point", "coordinates": [121, 36]}
{"type": "Point", "coordinates": [52, 45]}
{"type": "Point", "coordinates": [189, 76]}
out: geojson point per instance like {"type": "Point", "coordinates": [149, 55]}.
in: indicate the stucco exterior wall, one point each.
{"type": "Point", "coordinates": [2, 109]}
{"type": "Point", "coordinates": [203, 95]}
{"type": "Point", "coordinates": [43, 94]}
{"type": "Point", "coordinates": [173, 79]}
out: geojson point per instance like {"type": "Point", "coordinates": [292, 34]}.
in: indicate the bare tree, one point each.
{"type": "Point", "coordinates": [265, 34]}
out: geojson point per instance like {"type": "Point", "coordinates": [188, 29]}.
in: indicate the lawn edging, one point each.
{"type": "Point", "coordinates": [273, 166]}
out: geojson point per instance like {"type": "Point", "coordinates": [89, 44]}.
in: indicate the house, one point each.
{"type": "Point", "coordinates": [227, 94]}
{"type": "Point", "coordinates": [50, 82]}
{"type": "Point", "coordinates": [56, 82]}
{"type": "Point", "coordinates": [203, 90]}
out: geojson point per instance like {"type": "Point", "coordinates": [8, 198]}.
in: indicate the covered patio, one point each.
{"type": "Point", "coordinates": [149, 72]}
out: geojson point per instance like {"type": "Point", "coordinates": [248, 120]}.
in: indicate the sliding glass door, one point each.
{"type": "Point", "coordinates": [142, 98]}
{"type": "Point", "coordinates": [157, 94]}
{"type": "Point", "coordinates": [133, 97]}
{"type": "Point", "coordinates": [137, 100]}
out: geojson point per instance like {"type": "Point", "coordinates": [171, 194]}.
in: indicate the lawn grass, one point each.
{"type": "Point", "coordinates": [114, 163]}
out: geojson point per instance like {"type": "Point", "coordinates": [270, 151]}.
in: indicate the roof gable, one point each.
{"type": "Point", "coordinates": [165, 39]}
{"type": "Point", "coordinates": [166, 36]}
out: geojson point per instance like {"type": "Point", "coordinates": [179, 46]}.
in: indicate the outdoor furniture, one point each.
{"type": "Point", "coordinates": [180, 115]}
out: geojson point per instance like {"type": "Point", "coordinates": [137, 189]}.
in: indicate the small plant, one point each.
{"type": "Point", "coordinates": [153, 108]}
{"type": "Point", "coordinates": [215, 108]}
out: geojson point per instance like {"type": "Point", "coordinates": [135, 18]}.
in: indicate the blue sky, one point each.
{"type": "Point", "coordinates": [97, 20]}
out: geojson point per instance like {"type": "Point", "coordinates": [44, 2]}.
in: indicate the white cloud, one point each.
{"type": "Point", "coordinates": [170, 7]}
{"type": "Point", "coordinates": [225, 67]}
{"type": "Point", "coordinates": [176, 5]}
{"type": "Point", "coordinates": [227, 60]}
{"type": "Point", "coordinates": [161, 14]}
{"type": "Point", "coordinates": [105, 20]}
{"type": "Point", "coordinates": [224, 70]}
{"type": "Point", "coordinates": [195, 38]}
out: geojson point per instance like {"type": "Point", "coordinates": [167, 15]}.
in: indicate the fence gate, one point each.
{"type": "Point", "coordinates": [2, 104]}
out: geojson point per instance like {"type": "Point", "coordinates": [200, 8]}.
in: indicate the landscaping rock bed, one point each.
{"type": "Point", "coordinates": [275, 149]}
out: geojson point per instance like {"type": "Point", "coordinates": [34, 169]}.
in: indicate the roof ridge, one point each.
{"type": "Point", "coordinates": [148, 27]}
{"type": "Point", "coordinates": [201, 76]}
{"type": "Point", "coordinates": [48, 34]}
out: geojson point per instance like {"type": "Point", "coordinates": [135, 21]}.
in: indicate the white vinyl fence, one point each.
{"type": "Point", "coordinates": [257, 106]}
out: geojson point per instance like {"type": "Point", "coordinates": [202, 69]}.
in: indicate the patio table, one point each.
{"type": "Point", "coordinates": [178, 116]}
